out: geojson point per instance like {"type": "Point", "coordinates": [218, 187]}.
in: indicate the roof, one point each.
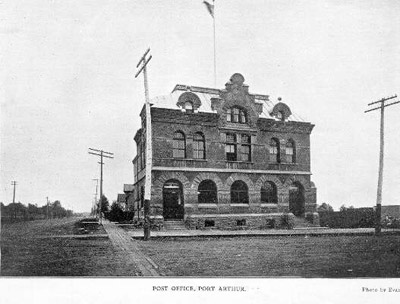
{"type": "Point", "coordinates": [205, 94]}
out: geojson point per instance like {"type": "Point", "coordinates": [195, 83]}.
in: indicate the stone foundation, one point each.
{"type": "Point", "coordinates": [235, 221]}
{"type": "Point", "coordinates": [156, 222]}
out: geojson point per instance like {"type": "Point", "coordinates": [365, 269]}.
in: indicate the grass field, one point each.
{"type": "Point", "coordinates": [36, 249]}
{"type": "Point", "coordinates": [325, 256]}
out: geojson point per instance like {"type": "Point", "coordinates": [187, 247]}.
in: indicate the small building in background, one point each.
{"type": "Point", "coordinates": [130, 197]}
{"type": "Point", "coordinates": [121, 201]}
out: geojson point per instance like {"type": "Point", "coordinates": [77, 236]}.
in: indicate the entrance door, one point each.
{"type": "Point", "coordinates": [296, 199]}
{"type": "Point", "coordinates": [173, 200]}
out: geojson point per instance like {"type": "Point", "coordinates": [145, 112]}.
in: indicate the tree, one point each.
{"type": "Point", "coordinates": [105, 205]}
{"type": "Point", "coordinates": [16, 211]}
{"type": "Point", "coordinates": [116, 213]}
{"type": "Point", "coordinates": [33, 211]}
{"type": "Point", "coordinates": [344, 208]}
{"type": "Point", "coordinates": [57, 210]}
{"type": "Point", "coordinates": [324, 207]}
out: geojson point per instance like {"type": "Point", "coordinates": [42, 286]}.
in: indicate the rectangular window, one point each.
{"type": "Point", "coordinates": [229, 115]}
{"type": "Point", "coordinates": [241, 222]}
{"type": "Point", "coordinates": [230, 147]}
{"type": "Point", "coordinates": [230, 150]}
{"type": "Point", "coordinates": [231, 138]}
{"type": "Point", "coordinates": [246, 148]}
{"type": "Point", "coordinates": [246, 153]}
{"type": "Point", "coordinates": [209, 223]}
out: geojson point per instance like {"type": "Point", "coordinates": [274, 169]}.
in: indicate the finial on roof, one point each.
{"type": "Point", "coordinates": [237, 79]}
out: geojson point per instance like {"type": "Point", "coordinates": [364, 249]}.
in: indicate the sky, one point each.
{"type": "Point", "coordinates": [67, 73]}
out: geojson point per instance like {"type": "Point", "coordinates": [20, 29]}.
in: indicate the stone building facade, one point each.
{"type": "Point", "coordinates": [226, 159]}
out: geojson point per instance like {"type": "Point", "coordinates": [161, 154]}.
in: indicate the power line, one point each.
{"type": "Point", "coordinates": [47, 209]}
{"type": "Point", "coordinates": [14, 183]}
{"type": "Point", "coordinates": [102, 154]}
{"type": "Point", "coordinates": [382, 106]}
{"type": "Point", "coordinates": [95, 195]}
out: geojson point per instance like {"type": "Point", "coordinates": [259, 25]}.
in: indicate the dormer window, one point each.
{"type": "Point", "coordinates": [281, 111]}
{"type": "Point", "coordinates": [281, 116]}
{"type": "Point", "coordinates": [189, 102]}
{"type": "Point", "coordinates": [236, 115]}
{"type": "Point", "coordinates": [188, 107]}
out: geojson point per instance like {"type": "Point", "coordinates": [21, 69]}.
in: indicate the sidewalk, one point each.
{"type": "Point", "coordinates": [320, 231]}
{"type": "Point", "coordinates": [124, 243]}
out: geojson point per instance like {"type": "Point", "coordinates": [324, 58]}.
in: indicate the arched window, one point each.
{"type": "Point", "coordinates": [239, 193]}
{"type": "Point", "coordinates": [236, 115]}
{"type": "Point", "coordinates": [188, 107]}
{"type": "Point", "coordinates": [179, 146]}
{"type": "Point", "coordinates": [274, 151]}
{"type": "Point", "coordinates": [207, 192]}
{"type": "Point", "coordinates": [269, 193]}
{"type": "Point", "coordinates": [290, 151]}
{"type": "Point", "coordinates": [199, 146]}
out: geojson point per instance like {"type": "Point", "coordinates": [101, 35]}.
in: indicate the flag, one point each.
{"type": "Point", "coordinates": [210, 8]}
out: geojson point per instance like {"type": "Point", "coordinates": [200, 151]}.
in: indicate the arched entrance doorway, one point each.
{"type": "Point", "coordinates": [173, 200]}
{"type": "Point", "coordinates": [296, 199]}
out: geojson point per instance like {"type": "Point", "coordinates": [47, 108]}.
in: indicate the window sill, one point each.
{"type": "Point", "coordinates": [266, 205]}
{"type": "Point", "coordinates": [240, 205]}
{"type": "Point", "coordinates": [189, 159]}
{"type": "Point", "coordinates": [239, 162]}
{"type": "Point", "coordinates": [205, 206]}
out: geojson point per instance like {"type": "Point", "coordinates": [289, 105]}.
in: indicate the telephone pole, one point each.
{"type": "Point", "coordinates": [47, 213]}
{"type": "Point", "coordinates": [382, 106]}
{"type": "Point", "coordinates": [95, 195]}
{"type": "Point", "coordinates": [14, 183]}
{"type": "Point", "coordinates": [149, 153]}
{"type": "Point", "coordinates": [102, 154]}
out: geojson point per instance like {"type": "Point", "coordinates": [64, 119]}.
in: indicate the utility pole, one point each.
{"type": "Point", "coordinates": [382, 106]}
{"type": "Point", "coordinates": [95, 196]}
{"type": "Point", "coordinates": [47, 213]}
{"type": "Point", "coordinates": [149, 153]}
{"type": "Point", "coordinates": [102, 154]}
{"type": "Point", "coordinates": [14, 183]}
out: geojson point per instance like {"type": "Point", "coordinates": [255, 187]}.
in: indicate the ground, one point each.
{"type": "Point", "coordinates": [50, 248]}
{"type": "Point", "coordinates": [36, 249]}
{"type": "Point", "coordinates": [325, 256]}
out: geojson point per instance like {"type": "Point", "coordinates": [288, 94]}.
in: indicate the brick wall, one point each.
{"type": "Point", "coordinates": [167, 121]}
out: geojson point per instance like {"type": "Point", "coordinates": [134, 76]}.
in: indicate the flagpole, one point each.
{"type": "Point", "coordinates": [215, 60]}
